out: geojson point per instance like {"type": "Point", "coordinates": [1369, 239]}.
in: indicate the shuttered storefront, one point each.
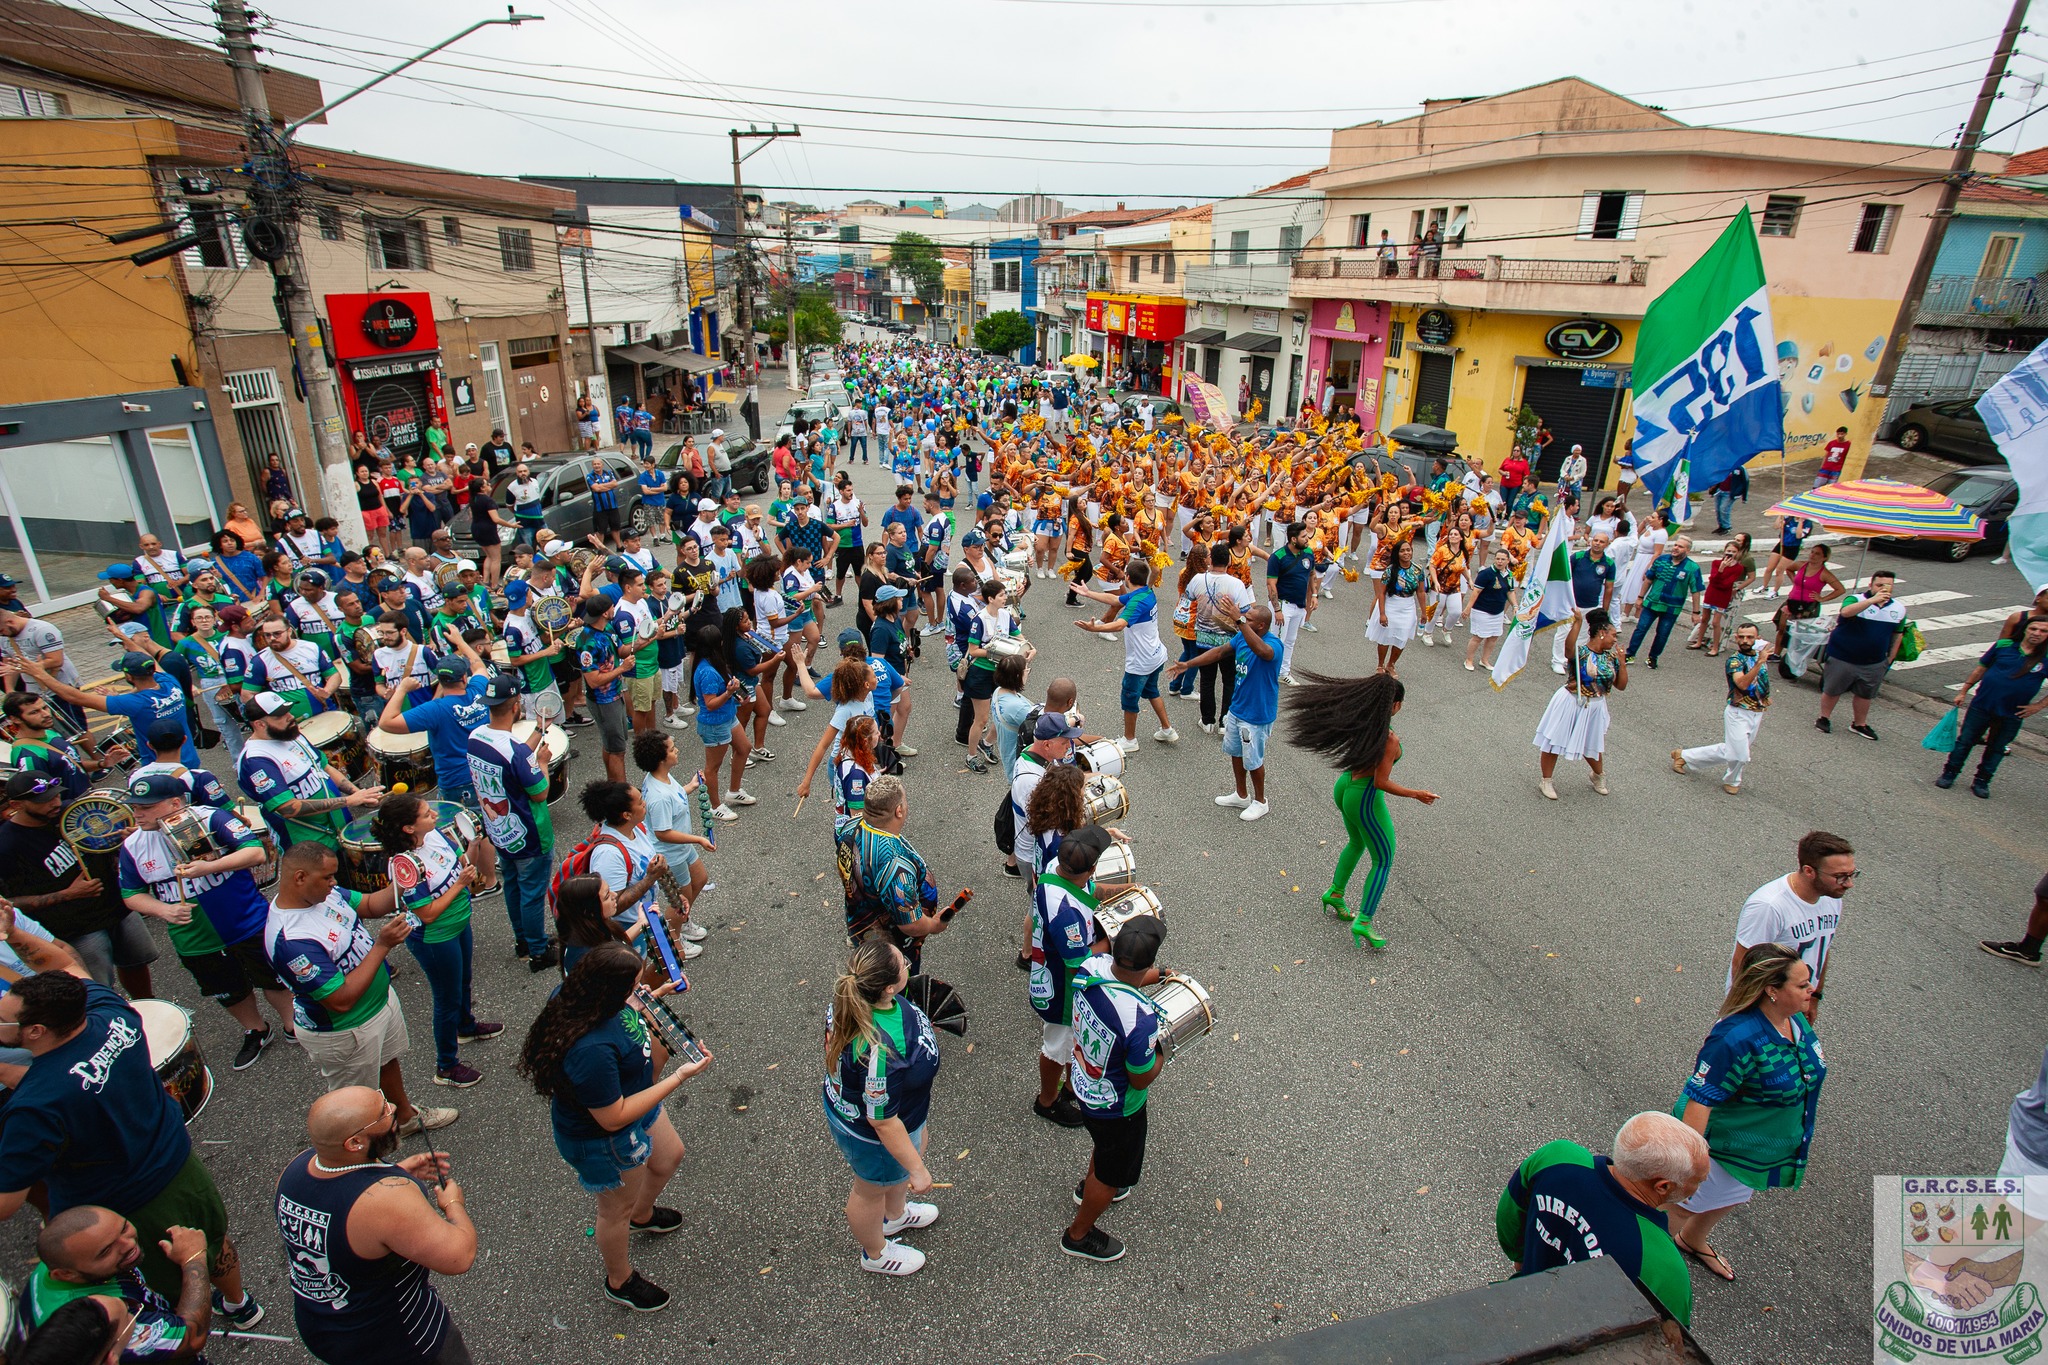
{"type": "Point", "coordinates": [1577, 413]}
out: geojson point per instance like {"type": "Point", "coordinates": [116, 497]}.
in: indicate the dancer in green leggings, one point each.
{"type": "Point", "coordinates": [1348, 720]}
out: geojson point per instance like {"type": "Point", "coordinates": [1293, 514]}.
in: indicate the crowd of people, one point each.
{"type": "Point", "coordinates": [397, 721]}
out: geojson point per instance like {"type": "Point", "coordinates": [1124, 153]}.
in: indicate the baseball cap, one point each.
{"type": "Point", "coordinates": [556, 547]}
{"type": "Point", "coordinates": [135, 661]}
{"type": "Point", "coordinates": [1094, 839]}
{"type": "Point", "coordinates": [114, 571]}
{"type": "Point", "coordinates": [233, 614]}
{"type": "Point", "coordinates": [265, 704]}
{"type": "Point", "coordinates": [291, 512]}
{"type": "Point", "coordinates": [452, 668]}
{"type": "Point", "coordinates": [706, 505]}
{"type": "Point", "coordinates": [1054, 725]}
{"type": "Point", "coordinates": [717, 433]}
{"type": "Point", "coordinates": [151, 788]}
{"type": "Point", "coordinates": [850, 636]}
{"type": "Point", "coordinates": [468, 564]}
{"type": "Point", "coordinates": [7, 581]}
{"type": "Point", "coordinates": [889, 592]}
{"type": "Point", "coordinates": [26, 786]}
{"type": "Point", "coordinates": [165, 731]}
{"type": "Point", "coordinates": [515, 592]}
{"type": "Point", "coordinates": [973, 538]}
{"type": "Point", "coordinates": [313, 576]}
{"type": "Point", "coordinates": [1137, 943]}
{"type": "Point", "coordinates": [502, 687]}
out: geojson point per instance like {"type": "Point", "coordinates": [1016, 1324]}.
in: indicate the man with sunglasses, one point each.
{"type": "Point", "coordinates": [1802, 908]}
{"type": "Point", "coordinates": [363, 1232]}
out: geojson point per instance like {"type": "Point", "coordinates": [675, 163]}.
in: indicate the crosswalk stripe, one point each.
{"type": "Point", "coordinates": [1918, 599]}
{"type": "Point", "coordinates": [1947, 654]}
{"type": "Point", "coordinates": [1968, 618]}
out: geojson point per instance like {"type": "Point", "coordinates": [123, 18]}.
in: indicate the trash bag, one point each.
{"type": "Point", "coordinates": [1942, 737]}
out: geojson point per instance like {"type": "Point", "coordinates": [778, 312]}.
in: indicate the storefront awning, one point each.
{"type": "Point", "coordinates": [634, 355]}
{"type": "Point", "coordinates": [1255, 342]}
{"type": "Point", "coordinates": [687, 361]}
{"type": "Point", "coordinates": [1207, 336]}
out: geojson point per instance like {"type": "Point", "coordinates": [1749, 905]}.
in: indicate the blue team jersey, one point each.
{"type": "Point", "coordinates": [889, 1080]}
{"type": "Point", "coordinates": [447, 721]}
{"type": "Point", "coordinates": [163, 699]}
{"type": "Point", "coordinates": [604, 486]}
{"type": "Point", "coordinates": [1062, 930]}
{"type": "Point", "coordinates": [229, 900]}
{"type": "Point", "coordinates": [1256, 700]}
{"type": "Point", "coordinates": [1116, 1036]}
{"type": "Point", "coordinates": [511, 791]}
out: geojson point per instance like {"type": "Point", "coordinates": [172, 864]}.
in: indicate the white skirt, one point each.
{"type": "Point", "coordinates": [1488, 625]}
{"type": "Point", "coordinates": [1400, 626]}
{"type": "Point", "coordinates": [1572, 730]}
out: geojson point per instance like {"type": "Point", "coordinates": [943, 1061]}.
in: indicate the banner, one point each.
{"type": "Point", "coordinates": [1208, 406]}
{"type": "Point", "coordinates": [2016, 412]}
{"type": "Point", "coordinates": [1545, 599]}
{"type": "Point", "coordinates": [1705, 378]}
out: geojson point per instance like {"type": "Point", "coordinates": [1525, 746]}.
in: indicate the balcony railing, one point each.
{"type": "Point", "coordinates": [1964, 300]}
{"type": "Point", "coordinates": [1364, 264]}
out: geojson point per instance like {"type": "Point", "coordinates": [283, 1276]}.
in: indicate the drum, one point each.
{"type": "Point", "coordinates": [174, 1054]}
{"type": "Point", "coordinates": [96, 823]}
{"type": "Point", "coordinates": [1121, 907]}
{"type": "Point", "coordinates": [365, 867]}
{"type": "Point", "coordinates": [1106, 801]}
{"type": "Point", "coordinates": [338, 735]}
{"type": "Point", "coordinates": [501, 654]}
{"type": "Point", "coordinates": [1185, 1013]}
{"type": "Point", "coordinates": [1015, 582]}
{"type": "Point", "coordinates": [557, 740]}
{"type": "Point", "coordinates": [1018, 560]}
{"type": "Point", "coordinates": [1117, 868]}
{"type": "Point", "coordinates": [1005, 646]}
{"type": "Point", "coordinates": [402, 758]}
{"type": "Point", "coordinates": [251, 814]}
{"type": "Point", "coordinates": [1103, 756]}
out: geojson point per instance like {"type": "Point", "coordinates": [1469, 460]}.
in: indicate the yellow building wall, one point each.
{"type": "Point", "coordinates": [1828, 350]}
{"type": "Point", "coordinates": [697, 264]}
{"type": "Point", "coordinates": [82, 321]}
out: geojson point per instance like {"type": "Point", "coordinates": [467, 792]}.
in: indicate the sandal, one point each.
{"type": "Point", "coordinates": [1714, 1261]}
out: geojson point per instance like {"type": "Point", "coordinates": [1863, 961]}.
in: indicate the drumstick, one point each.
{"type": "Point", "coordinates": [799, 805]}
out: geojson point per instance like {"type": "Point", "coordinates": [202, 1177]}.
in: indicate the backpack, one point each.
{"type": "Point", "coordinates": [577, 864]}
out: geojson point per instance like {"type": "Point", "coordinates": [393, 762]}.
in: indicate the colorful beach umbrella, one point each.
{"type": "Point", "coordinates": [1882, 507]}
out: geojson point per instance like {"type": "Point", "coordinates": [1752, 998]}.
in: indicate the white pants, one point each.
{"type": "Point", "coordinates": [1291, 618]}
{"type": "Point", "coordinates": [1450, 610]}
{"type": "Point", "coordinates": [1738, 733]}
{"type": "Point", "coordinates": [1558, 633]}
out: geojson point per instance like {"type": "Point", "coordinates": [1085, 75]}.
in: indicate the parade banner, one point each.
{"type": "Point", "coordinates": [1209, 407]}
{"type": "Point", "coordinates": [1706, 380]}
{"type": "Point", "coordinates": [2016, 413]}
{"type": "Point", "coordinates": [1545, 600]}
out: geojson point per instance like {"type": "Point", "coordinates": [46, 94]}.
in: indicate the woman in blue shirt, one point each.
{"type": "Point", "coordinates": [241, 573]}
{"type": "Point", "coordinates": [717, 683]}
{"type": "Point", "coordinates": [880, 1060]}
{"type": "Point", "coordinates": [2006, 679]}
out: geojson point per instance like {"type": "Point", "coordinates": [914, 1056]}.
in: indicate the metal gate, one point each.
{"type": "Point", "coordinates": [1432, 389]}
{"type": "Point", "coordinates": [1577, 413]}
{"type": "Point", "coordinates": [257, 401]}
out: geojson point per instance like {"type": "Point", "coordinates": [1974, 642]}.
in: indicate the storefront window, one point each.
{"type": "Point", "coordinates": [185, 486]}
{"type": "Point", "coordinates": [62, 532]}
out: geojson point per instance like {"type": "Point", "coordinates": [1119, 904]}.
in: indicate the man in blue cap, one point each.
{"type": "Point", "coordinates": [530, 654]}
{"type": "Point", "coordinates": [133, 608]}
{"type": "Point", "coordinates": [10, 595]}
{"type": "Point", "coordinates": [458, 707]}
{"type": "Point", "coordinates": [152, 697]}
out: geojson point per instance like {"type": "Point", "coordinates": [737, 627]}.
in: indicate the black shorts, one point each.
{"type": "Point", "coordinates": [979, 684]}
{"type": "Point", "coordinates": [932, 582]}
{"type": "Point", "coordinates": [229, 974]}
{"type": "Point", "coordinates": [604, 518]}
{"type": "Point", "coordinates": [846, 559]}
{"type": "Point", "coordinates": [1119, 1148]}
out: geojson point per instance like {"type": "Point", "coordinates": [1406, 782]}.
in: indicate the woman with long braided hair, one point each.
{"type": "Point", "coordinates": [1349, 720]}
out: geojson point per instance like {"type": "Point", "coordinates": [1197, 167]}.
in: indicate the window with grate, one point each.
{"type": "Point", "coordinates": [221, 248]}
{"type": "Point", "coordinates": [1134, 267]}
{"type": "Point", "coordinates": [525, 351]}
{"type": "Point", "coordinates": [330, 223]}
{"type": "Point", "coordinates": [1396, 333]}
{"type": "Point", "coordinates": [397, 243]}
{"type": "Point", "coordinates": [1290, 243]}
{"type": "Point", "coordinates": [515, 248]}
{"type": "Point", "coordinates": [1781, 215]}
{"type": "Point", "coordinates": [1168, 277]}
{"type": "Point", "coordinates": [451, 231]}
{"type": "Point", "coordinates": [1874, 233]}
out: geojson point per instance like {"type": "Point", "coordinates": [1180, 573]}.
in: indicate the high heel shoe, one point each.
{"type": "Point", "coordinates": [1334, 903]}
{"type": "Point", "coordinates": [1362, 932]}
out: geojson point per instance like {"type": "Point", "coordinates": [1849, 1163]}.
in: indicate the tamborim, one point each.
{"type": "Point", "coordinates": [338, 735]}
{"type": "Point", "coordinates": [1121, 908]}
{"type": "Point", "coordinates": [1185, 1013]}
{"type": "Point", "coordinates": [96, 823]}
{"type": "Point", "coordinates": [174, 1054]}
{"type": "Point", "coordinates": [402, 758]}
{"type": "Point", "coordinates": [1103, 756]}
{"type": "Point", "coordinates": [1106, 800]}
{"type": "Point", "coordinates": [557, 741]}
{"type": "Point", "coordinates": [1117, 868]}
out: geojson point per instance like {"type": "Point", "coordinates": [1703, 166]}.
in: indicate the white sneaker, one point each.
{"type": "Point", "coordinates": [1128, 746]}
{"type": "Point", "coordinates": [1329, 592]}
{"type": "Point", "coordinates": [692, 930]}
{"type": "Point", "coordinates": [1426, 641]}
{"type": "Point", "coordinates": [686, 950]}
{"type": "Point", "coordinates": [1557, 669]}
{"type": "Point", "coordinates": [792, 704]}
{"type": "Point", "coordinates": [686, 710]}
{"type": "Point", "coordinates": [774, 719]}
{"type": "Point", "coordinates": [1232, 801]}
{"type": "Point", "coordinates": [1254, 811]}
{"type": "Point", "coordinates": [915, 1215]}
{"type": "Point", "coordinates": [1167, 736]}
{"type": "Point", "coordinates": [1210, 728]}
{"type": "Point", "coordinates": [724, 813]}
{"type": "Point", "coordinates": [738, 797]}
{"type": "Point", "coordinates": [1290, 680]}
{"type": "Point", "coordinates": [896, 1259]}
{"type": "Point", "coordinates": [676, 722]}
{"type": "Point", "coordinates": [906, 750]}
{"type": "Point", "coordinates": [1310, 625]}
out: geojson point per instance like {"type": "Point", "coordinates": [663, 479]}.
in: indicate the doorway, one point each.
{"type": "Point", "coordinates": [1432, 389]}
{"type": "Point", "coordinates": [1577, 413]}
{"type": "Point", "coordinates": [1262, 384]}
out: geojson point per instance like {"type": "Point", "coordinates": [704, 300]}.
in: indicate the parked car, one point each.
{"type": "Point", "coordinates": [1950, 428]}
{"type": "Point", "coordinates": [810, 410]}
{"type": "Point", "coordinates": [750, 471]}
{"type": "Point", "coordinates": [1161, 405]}
{"type": "Point", "coordinates": [1990, 493]}
{"type": "Point", "coordinates": [1413, 457]}
{"type": "Point", "coordinates": [829, 389]}
{"type": "Point", "coordinates": [565, 492]}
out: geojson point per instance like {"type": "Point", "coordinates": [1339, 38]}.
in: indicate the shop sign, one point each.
{"type": "Point", "coordinates": [390, 324]}
{"type": "Point", "coordinates": [1600, 377]}
{"type": "Point", "coordinates": [1116, 317]}
{"type": "Point", "coordinates": [1265, 320]}
{"type": "Point", "coordinates": [362, 371]}
{"type": "Point", "coordinates": [1346, 321]}
{"type": "Point", "coordinates": [464, 394]}
{"type": "Point", "coordinates": [1435, 327]}
{"type": "Point", "coordinates": [1158, 321]}
{"type": "Point", "coordinates": [378, 324]}
{"type": "Point", "coordinates": [1583, 339]}
{"type": "Point", "coordinates": [1094, 315]}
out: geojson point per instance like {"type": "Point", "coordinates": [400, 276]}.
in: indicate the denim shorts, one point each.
{"type": "Point", "coordinates": [870, 1160]}
{"type": "Point", "coordinates": [1140, 687]}
{"type": "Point", "coordinates": [1242, 739]}
{"type": "Point", "coordinates": [713, 733]}
{"type": "Point", "coordinates": [601, 1163]}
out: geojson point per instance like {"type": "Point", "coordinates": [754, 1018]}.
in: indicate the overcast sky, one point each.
{"type": "Point", "coordinates": [894, 99]}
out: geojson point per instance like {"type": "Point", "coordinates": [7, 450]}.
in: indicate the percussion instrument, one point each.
{"type": "Point", "coordinates": [365, 867]}
{"type": "Point", "coordinates": [364, 645]}
{"type": "Point", "coordinates": [447, 577]}
{"type": "Point", "coordinates": [402, 758]}
{"type": "Point", "coordinates": [96, 823]}
{"type": "Point", "coordinates": [174, 1054]}
{"type": "Point", "coordinates": [338, 735]}
{"type": "Point", "coordinates": [668, 1026]}
{"type": "Point", "coordinates": [1006, 646]}
{"type": "Point", "coordinates": [515, 576]}
{"type": "Point", "coordinates": [705, 816]}
{"type": "Point", "coordinates": [251, 814]}
{"type": "Point", "coordinates": [1019, 560]}
{"type": "Point", "coordinates": [940, 1002]}
{"type": "Point", "coordinates": [501, 654]}
{"type": "Point", "coordinates": [1106, 800]}
{"type": "Point", "coordinates": [1185, 1013]}
{"type": "Point", "coordinates": [1116, 869]}
{"type": "Point", "coordinates": [551, 614]}
{"type": "Point", "coordinates": [1015, 582]}
{"type": "Point", "coordinates": [1119, 908]}
{"type": "Point", "coordinates": [557, 739]}
{"type": "Point", "coordinates": [1103, 756]}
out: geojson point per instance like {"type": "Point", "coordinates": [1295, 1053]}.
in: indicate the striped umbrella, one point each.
{"type": "Point", "coordinates": [1882, 507]}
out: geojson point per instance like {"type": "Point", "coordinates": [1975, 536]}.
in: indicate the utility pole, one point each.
{"type": "Point", "coordinates": [589, 325]}
{"type": "Point", "coordinates": [742, 243]}
{"type": "Point", "coordinates": [1945, 209]}
{"type": "Point", "coordinates": [274, 226]}
{"type": "Point", "coordinates": [789, 341]}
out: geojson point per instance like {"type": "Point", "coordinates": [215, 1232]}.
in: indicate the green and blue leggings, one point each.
{"type": "Point", "coordinates": [1367, 829]}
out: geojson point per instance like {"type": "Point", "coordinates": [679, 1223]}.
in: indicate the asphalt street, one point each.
{"type": "Point", "coordinates": [1337, 1145]}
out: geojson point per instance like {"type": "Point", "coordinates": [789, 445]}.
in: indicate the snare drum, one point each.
{"type": "Point", "coordinates": [1117, 868]}
{"type": "Point", "coordinates": [1105, 800]}
{"type": "Point", "coordinates": [338, 735]}
{"type": "Point", "coordinates": [174, 1054]}
{"type": "Point", "coordinates": [1005, 646]}
{"type": "Point", "coordinates": [1122, 907]}
{"type": "Point", "coordinates": [501, 655]}
{"type": "Point", "coordinates": [557, 740]}
{"type": "Point", "coordinates": [402, 758]}
{"type": "Point", "coordinates": [1185, 1013]}
{"type": "Point", "coordinates": [1103, 756]}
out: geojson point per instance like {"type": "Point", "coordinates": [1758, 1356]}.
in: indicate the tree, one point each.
{"type": "Point", "coordinates": [817, 322]}
{"type": "Point", "coordinates": [1004, 332]}
{"type": "Point", "coordinates": [916, 258]}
